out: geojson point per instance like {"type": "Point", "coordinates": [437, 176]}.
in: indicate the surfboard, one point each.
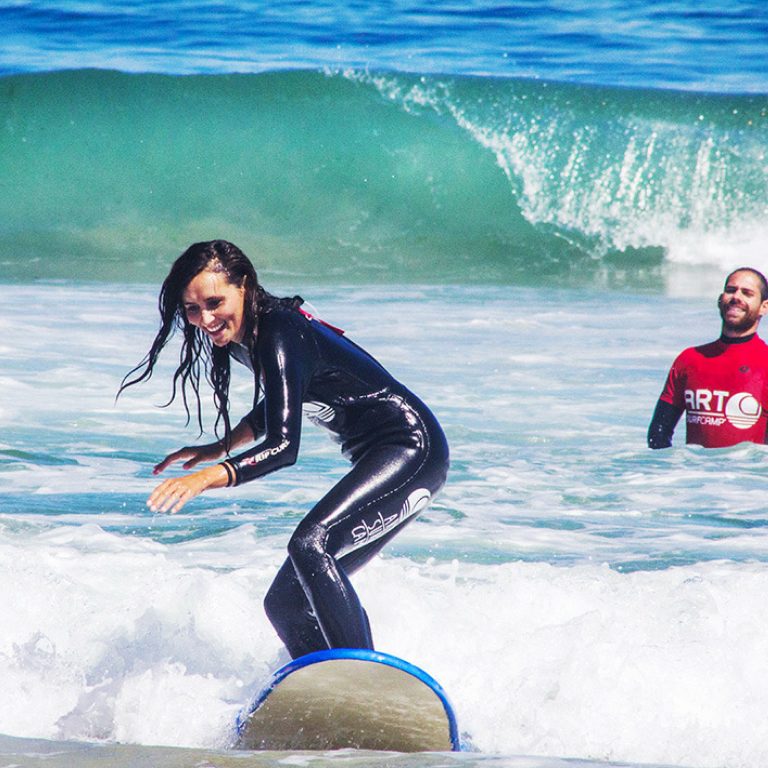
{"type": "Point", "coordinates": [349, 698]}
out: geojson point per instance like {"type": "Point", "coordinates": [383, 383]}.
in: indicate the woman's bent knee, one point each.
{"type": "Point", "coordinates": [307, 548]}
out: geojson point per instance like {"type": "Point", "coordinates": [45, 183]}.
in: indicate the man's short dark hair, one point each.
{"type": "Point", "coordinates": [760, 277]}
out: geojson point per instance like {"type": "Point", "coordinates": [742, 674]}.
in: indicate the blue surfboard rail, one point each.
{"type": "Point", "coordinates": [361, 654]}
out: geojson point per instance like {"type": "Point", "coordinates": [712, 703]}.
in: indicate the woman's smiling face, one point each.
{"type": "Point", "coordinates": [215, 306]}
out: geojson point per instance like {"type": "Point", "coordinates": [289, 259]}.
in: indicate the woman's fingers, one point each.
{"type": "Point", "coordinates": [182, 453]}
{"type": "Point", "coordinates": [191, 456]}
{"type": "Point", "coordinates": [203, 453]}
{"type": "Point", "coordinates": [172, 495]}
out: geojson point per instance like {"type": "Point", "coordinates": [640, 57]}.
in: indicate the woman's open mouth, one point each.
{"type": "Point", "coordinates": [216, 329]}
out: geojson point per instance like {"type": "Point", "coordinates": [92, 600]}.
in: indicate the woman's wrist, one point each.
{"type": "Point", "coordinates": [215, 476]}
{"type": "Point", "coordinates": [231, 476]}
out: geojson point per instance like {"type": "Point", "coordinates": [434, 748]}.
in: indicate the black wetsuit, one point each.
{"type": "Point", "coordinates": [399, 461]}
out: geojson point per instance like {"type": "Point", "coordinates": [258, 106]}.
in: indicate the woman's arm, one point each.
{"type": "Point", "coordinates": [287, 356]}
{"type": "Point", "coordinates": [286, 359]}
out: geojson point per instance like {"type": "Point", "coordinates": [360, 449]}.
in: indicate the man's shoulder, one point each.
{"type": "Point", "coordinates": [700, 351]}
{"type": "Point", "coordinates": [760, 343]}
{"type": "Point", "coordinates": [759, 350]}
{"type": "Point", "coordinates": [708, 349]}
{"type": "Point", "coordinates": [716, 348]}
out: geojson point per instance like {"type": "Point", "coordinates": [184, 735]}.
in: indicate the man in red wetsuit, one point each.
{"type": "Point", "coordinates": [722, 386]}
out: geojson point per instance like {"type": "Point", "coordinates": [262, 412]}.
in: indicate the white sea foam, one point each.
{"type": "Point", "coordinates": [110, 637]}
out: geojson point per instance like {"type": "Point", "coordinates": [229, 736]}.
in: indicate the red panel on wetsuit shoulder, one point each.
{"type": "Point", "coordinates": [322, 322]}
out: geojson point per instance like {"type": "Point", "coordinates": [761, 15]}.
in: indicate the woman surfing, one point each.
{"type": "Point", "coordinates": [397, 449]}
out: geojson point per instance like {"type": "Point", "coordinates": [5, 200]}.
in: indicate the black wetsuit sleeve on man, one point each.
{"type": "Point", "coordinates": [663, 424]}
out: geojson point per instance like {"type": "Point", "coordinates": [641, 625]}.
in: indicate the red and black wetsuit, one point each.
{"type": "Point", "coordinates": [399, 458]}
{"type": "Point", "coordinates": [723, 389]}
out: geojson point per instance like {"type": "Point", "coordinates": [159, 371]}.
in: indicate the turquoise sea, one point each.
{"type": "Point", "coordinates": [524, 210]}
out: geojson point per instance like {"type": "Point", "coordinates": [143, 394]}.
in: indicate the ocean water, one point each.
{"type": "Point", "coordinates": [524, 211]}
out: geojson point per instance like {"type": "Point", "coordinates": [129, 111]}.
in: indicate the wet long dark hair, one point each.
{"type": "Point", "coordinates": [198, 356]}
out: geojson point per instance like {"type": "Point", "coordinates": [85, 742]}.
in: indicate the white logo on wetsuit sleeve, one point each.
{"type": "Point", "coordinates": [714, 407]}
{"type": "Point", "coordinates": [251, 461]}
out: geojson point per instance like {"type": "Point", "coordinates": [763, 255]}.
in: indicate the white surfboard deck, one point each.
{"type": "Point", "coordinates": [349, 698]}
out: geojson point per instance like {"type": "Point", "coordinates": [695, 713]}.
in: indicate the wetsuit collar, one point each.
{"type": "Point", "coordinates": [737, 339]}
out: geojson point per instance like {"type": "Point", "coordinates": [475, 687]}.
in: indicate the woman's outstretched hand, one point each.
{"type": "Point", "coordinates": [172, 494]}
{"type": "Point", "coordinates": [191, 455]}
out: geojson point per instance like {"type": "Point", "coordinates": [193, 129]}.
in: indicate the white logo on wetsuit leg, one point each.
{"type": "Point", "coordinates": [316, 411]}
{"type": "Point", "coordinates": [416, 501]}
{"type": "Point", "coordinates": [714, 407]}
{"type": "Point", "coordinates": [375, 528]}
